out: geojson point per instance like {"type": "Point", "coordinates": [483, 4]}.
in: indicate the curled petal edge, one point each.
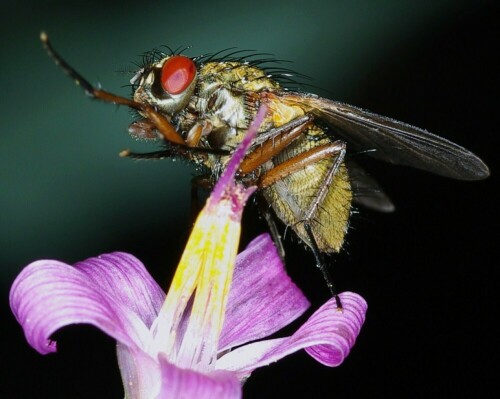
{"type": "Point", "coordinates": [48, 295]}
{"type": "Point", "coordinates": [327, 336]}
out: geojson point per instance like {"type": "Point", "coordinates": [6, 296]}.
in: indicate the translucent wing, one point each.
{"type": "Point", "coordinates": [367, 192]}
{"type": "Point", "coordinates": [391, 140]}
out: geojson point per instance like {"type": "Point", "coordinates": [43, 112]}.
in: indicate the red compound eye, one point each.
{"type": "Point", "coordinates": [177, 74]}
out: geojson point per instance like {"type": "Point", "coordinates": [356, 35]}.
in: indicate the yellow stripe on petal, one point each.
{"type": "Point", "coordinates": [191, 319]}
{"type": "Point", "coordinates": [206, 267]}
{"type": "Point", "coordinates": [212, 292]}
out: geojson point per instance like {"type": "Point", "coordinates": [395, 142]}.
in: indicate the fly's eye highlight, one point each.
{"type": "Point", "coordinates": [177, 74]}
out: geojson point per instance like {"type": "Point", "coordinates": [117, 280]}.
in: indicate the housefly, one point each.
{"type": "Point", "coordinates": [201, 107]}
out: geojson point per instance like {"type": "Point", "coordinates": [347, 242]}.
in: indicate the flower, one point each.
{"type": "Point", "coordinates": [193, 342]}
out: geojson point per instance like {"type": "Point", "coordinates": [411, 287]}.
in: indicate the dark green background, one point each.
{"type": "Point", "coordinates": [426, 270]}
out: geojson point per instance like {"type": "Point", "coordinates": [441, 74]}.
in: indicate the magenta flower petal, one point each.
{"type": "Point", "coordinates": [337, 330]}
{"type": "Point", "coordinates": [141, 373]}
{"type": "Point", "coordinates": [263, 299]}
{"type": "Point", "coordinates": [328, 336]}
{"type": "Point", "coordinates": [177, 346]}
{"type": "Point", "coordinates": [49, 294]}
{"type": "Point", "coordinates": [183, 383]}
{"type": "Point", "coordinates": [124, 277]}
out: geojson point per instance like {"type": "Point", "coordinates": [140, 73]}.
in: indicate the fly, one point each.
{"type": "Point", "coordinates": [200, 108]}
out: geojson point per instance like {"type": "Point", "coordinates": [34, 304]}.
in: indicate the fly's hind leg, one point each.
{"type": "Point", "coordinates": [266, 146]}
{"type": "Point", "coordinates": [337, 150]}
{"type": "Point", "coordinates": [321, 263]}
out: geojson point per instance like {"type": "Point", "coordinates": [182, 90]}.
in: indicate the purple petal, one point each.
{"type": "Point", "coordinates": [49, 294]}
{"type": "Point", "coordinates": [263, 299]}
{"type": "Point", "coordinates": [328, 336]}
{"type": "Point", "coordinates": [182, 383]}
{"type": "Point", "coordinates": [141, 374]}
{"type": "Point", "coordinates": [124, 277]}
{"type": "Point", "coordinates": [337, 329]}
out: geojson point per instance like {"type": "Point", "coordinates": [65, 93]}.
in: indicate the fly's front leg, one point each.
{"type": "Point", "coordinates": [177, 151]}
{"type": "Point", "coordinates": [145, 129]}
{"type": "Point", "coordinates": [200, 128]}
{"type": "Point", "coordinates": [163, 125]}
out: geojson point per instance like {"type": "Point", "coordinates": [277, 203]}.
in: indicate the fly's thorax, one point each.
{"type": "Point", "coordinates": [230, 113]}
{"type": "Point", "coordinates": [234, 76]}
{"type": "Point", "coordinates": [294, 196]}
{"type": "Point", "coordinates": [226, 93]}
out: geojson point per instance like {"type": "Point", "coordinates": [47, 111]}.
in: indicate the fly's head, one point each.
{"type": "Point", "coordinates": [167, 84]}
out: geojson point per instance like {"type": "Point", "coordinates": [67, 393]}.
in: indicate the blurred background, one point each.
{"type": "Point", "coordinates": [426, 270]}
